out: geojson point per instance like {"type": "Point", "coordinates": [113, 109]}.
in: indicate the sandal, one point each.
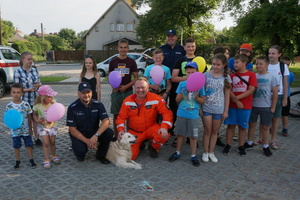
{"type": "Point", "coordinates": [47, 164]}
{"type": "Point", "coordinates": [56, 160]}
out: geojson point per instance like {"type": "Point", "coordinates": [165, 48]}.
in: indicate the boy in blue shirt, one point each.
{"type": "Point", "coordinates": [187, 123]}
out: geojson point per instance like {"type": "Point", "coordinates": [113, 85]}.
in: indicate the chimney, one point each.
{"type": "Point", "coordinates": [35, 31]}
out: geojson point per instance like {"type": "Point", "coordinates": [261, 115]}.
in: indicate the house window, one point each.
{"type": "Point", "coordinates": [120, 27]}
{"type": "Point", "coordinates": [96, 28]}
{"type": "Point", "coordinates": [112, 27]}
{"type": "Point", "coordinates": [129, 27]}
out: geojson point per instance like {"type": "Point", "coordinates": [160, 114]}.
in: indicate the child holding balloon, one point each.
{"type": "Point", "coordinates": [47, 130]}
{"type": "Point", "coordinates": [215, 108]}
{"type": "Point", "coordinates": [158, 75]}
{"type": "Point", "coordinates": [24, 131]}
{"type": "Point", "coordinates": [190, 94]}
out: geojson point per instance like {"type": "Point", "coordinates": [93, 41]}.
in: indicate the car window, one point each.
{"type": "Point", "coordinates": [144, 58]}
{"type": "Point", "coordinates": [15, 55]}
{"type": "Point", "coordinates": [107, 62]}
{"type": "Point", "coordinates": [134, 57]}
{"type": "Point", "coordinates": [7, 54]}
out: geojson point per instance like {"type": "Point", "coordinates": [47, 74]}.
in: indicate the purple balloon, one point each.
{"type": "Point", "coordinates": [115, 79]}
{"type": "Point", "coordinates": [195, 82]}
{"type": "Point", "coordinates": [157, 74]}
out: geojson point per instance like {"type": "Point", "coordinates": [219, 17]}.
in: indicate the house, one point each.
{"type": "Point", "coordinates": [18, 36]}
{"type": "Point", "coordinates": [118, 22]}
{"type": "Point", "coordinates": [37, 34]}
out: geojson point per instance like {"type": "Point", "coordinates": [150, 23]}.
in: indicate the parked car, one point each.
{"type": "Point", "coordinates": [142, 61]}
{"type": "Point", "coordinates": [9, 62]}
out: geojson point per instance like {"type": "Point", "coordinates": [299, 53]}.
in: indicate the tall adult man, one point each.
{"type": "Point", "coordinates": [83, 118]}
{"type": "Point", "coordinates": [140, 110]}
{"type": "Point", "coordinates": [172, 52]}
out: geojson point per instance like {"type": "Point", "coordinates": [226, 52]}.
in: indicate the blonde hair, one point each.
{"type": "Point", "coordinates": [40, 100]}
{"type": "Point", "coordinates": [23, 55]}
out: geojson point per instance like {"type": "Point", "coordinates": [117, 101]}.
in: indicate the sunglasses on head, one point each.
{"type": "Point", "coordinates": [88, 56]}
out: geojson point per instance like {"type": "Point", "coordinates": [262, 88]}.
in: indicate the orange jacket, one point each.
{"type": "Point", "coordinates": [140, 119]}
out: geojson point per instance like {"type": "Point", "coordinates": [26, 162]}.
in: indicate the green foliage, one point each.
{"type": "Point", "coordinates": [170, 14]}
{"type": "Point", "coordinates": [264, 23]}
{"type": "Point", "coordinates": [68, 35]}
{"type": "Point", "coordinates": [58, 43]}
{"type": "Point", "coordinates": [7, 31]}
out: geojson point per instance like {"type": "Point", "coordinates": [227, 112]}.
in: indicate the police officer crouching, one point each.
{"type": "Point", "coordinates": [83, 118]}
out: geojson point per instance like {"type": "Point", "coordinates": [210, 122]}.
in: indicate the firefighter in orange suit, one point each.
{"type": "Point", "coordinates": [141, 110]}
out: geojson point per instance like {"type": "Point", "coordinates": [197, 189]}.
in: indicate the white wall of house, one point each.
{"type": "Point", "coordinates": [120, 21]}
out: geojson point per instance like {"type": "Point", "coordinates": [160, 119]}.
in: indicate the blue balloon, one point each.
{"type": "Point", "coordinates": [13, 119]}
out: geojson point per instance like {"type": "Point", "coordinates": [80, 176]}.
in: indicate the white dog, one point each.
{"type": "Point", "coordinates": [119, 152]}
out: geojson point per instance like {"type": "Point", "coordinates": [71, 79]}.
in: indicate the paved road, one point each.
{"type": "Point", "coordinates": [254, 176]}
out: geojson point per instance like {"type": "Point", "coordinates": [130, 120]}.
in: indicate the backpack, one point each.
{"type": "Point", "coordinates": [281, 64]}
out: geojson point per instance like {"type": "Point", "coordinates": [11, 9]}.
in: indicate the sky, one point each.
{"type": "Point", "coordinates": [78, 15]}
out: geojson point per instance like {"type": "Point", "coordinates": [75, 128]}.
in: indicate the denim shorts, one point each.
{"type": "Point", "coordinates": [17, 143]}
{"type": "Point", "coordinates": [214, 116]}
{"type": "Point", "coordinates": [264, 113]}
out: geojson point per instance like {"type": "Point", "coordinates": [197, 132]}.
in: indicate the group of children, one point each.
{"type": "Point", "coordinates": [232, 93]}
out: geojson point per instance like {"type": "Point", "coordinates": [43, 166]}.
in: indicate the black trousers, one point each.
{"type": "Point", "coordinates": [80, 148]}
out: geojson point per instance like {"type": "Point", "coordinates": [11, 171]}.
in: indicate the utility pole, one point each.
{"type": "Point", "coordinates": [42, 31]}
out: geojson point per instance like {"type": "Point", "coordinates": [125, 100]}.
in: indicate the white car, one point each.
{"type": "Point", "coordinates": [9, 62]}
{"type": "Point", "coordinates": [142, 61]}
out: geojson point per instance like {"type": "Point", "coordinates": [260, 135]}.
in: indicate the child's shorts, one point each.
{"type": "Point", "coordinates": [187, 127]}
{"type": "Point", "coordinates": [278, 109]}
{"type": "Point", "coordinates": [286, 109]}
{"type": "Point", "coordinates": [117, 99]}
{"type": "Point", "coordinates": [47, 131]}
{"type": "Point", "coordinates": [238, 117]}
{"type": "Point", "coordinates": [214, 116]}
{"type": "Point", "coordinates": [265, 115]}
{"type": "Point", "coordinates": [17, 143]}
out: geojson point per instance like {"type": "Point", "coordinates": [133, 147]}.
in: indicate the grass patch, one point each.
{"type": "Point", "coordinates": [53, 78]}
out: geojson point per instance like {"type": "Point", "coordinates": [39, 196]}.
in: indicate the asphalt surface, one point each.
{"type": "Point", "coordinates": [254, 176]}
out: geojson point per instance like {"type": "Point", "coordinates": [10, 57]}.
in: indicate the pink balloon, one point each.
{"type": "Point", "coordinates": [195, 82]}
{"type": "Point", "coordinates": [157, 74]}
{"type": "Point", "coordinates": [115, 79]}
{"type": "Point", "coordinates": [55, 112]}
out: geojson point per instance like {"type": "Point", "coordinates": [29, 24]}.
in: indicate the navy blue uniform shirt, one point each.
{"type": "Point", "coordinates": [171, 55]}
{"type": "Point", "coordinates": [86, 119]}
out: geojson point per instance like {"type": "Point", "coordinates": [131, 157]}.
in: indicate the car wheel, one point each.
{"type": "Point", "coordinates": [140, 72]}
{"type": "Point", "coordinates": [2, 87]}
{"type": "Point", "coordinates": [101, 72]}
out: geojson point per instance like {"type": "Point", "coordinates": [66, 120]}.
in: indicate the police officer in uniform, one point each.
{"type": "Point", "coordinates": [83, 118]}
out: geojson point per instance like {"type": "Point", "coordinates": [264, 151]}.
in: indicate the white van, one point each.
{"type": "Point", "coordinates": [9, 62]}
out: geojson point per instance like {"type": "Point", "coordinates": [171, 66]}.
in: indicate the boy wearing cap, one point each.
{"type": "Point", "coordinates": [187, 123]}
{"type": "Point", "coordinates": [83, 118]}
{"type": "Point", "coordinates": [245, 49]}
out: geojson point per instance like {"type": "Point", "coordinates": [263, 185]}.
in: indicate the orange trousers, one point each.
{"type": "Point", "coordinates": [150, 134]}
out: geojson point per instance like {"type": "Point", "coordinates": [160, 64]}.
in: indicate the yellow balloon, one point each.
{"type": "Point", "coordinates": [201, 63]}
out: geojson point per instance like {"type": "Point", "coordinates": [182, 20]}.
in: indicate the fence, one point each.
{"type": "Point", "coordinates": [78, 55]}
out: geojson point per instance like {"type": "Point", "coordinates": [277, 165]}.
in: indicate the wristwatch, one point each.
{"type": "Point", "coordinates": [97, 134]}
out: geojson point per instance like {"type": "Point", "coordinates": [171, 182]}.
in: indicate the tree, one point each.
{"type": "Point", "coordinates": [58, 43]}
{"type": "Point", "coordinates": [68, 35]}
{"type": "Point", "coordinates": [7, 31]}
{"type": "Point", "coordinates": [267, 23]}
{"type": "Point", "coordinates": [170, 14]}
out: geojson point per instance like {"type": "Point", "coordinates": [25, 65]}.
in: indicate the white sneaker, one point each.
{"type": "Point", "coordinates": [205, 157]}
{"type": "Point", "coordinates": [212, 157]}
